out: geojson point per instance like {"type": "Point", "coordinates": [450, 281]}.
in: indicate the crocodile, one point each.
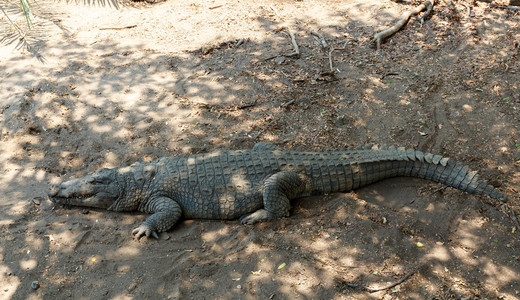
{"type": "Point", "coordinates": [252, 185]}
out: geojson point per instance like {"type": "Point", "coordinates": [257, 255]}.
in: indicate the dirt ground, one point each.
{"type": "Point", "coordinates": [106, 87]}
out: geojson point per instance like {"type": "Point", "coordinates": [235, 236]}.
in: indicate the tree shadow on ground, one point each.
{"type": "Point", "coordinates": [112, 105]}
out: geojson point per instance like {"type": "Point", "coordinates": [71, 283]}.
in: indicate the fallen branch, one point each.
{"type": "Point", "coordinates": [330, 60]}
{"type": "Point", "coordinates": [426, 5]}
{"type": "Point", "coordinates": [406, 276]}
{"type": "Point", "coordinates": [468, 8]}
{"type": "Point", "coordinates": [288, 103]}
{"type": "Point", "coordinates": [275, 11]}
{"type": "Point", "coordinates": [330, 55]}
{"type": "Point", "coordinates": [375, 290]}
{"type": "Point", "coordinates": [453, 7]}
{"type": "Point", "coordinates": [326, 76]}
{"type": "Point", "coordinates": [515, 220]}
{"type": "Point", "coordinates": [321, 39]}
{"type": "Point", "coordinates": [325, 46]}
{"type": "Point", "coordinates": [505, 7]}
{"type": "Point", "coordinates": [118, 28]}
{"type": "Point", "coordinates": [429, 8]}
{"type": "Point", "coordinates": [20, 31]}
{"type": "Point", "coordinates": [296, 51]}
{"type": "Point", "coordinates": [389, 74]}
{"type": "Point", "coordinates": [232, 107]}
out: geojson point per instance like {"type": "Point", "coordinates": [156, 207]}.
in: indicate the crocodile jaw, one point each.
{"type": "Point", "coordinates": [96, 190]}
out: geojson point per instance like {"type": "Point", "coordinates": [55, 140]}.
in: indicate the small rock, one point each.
{"type": "Point", "coordinates": [279, 60]}
{"type": "Point", "coordinates": [35, 285]}
{"type": "Point", "coordinates": [164, 236]}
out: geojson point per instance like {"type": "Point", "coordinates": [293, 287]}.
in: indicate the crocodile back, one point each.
{"type": "Point", "coordinates": [229, 184]}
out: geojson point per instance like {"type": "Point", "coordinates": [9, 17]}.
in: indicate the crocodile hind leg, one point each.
{"type": "Point", "coordinates": [279, 189]}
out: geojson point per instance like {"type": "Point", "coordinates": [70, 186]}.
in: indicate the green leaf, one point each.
{"type": "Point", "coordinates": [507, 99]}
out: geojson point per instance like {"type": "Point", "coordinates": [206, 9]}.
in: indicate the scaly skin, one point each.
{"type": "Point", "coordinates": [252, 185]}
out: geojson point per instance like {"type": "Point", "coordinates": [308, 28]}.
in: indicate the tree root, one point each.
{"type": "Point", "coordinates": [426, 5]}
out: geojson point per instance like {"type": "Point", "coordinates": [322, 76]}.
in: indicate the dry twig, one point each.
{"type": "Point", "coordinates": [428, 5]}
{"type": "Point", "coordinates": [118, 28]}
{"type": "Point", "coordinates": [515, 220]}
{"type": "Point", "coordinates": [330, 55]}
{"type": "Point", "coordinates": [275, 11]}
{"type": "Point", "coordinates": [453, 7]}
{"type": "Point", "coordinates": [505, 7]}
{"type": "Point", "coordinates": [285, 105]}
{"type": "Point", "coordinates": [296, 52]}
{"type": "Point", "coordinates": [320, 38]}
{"type": "Point", "coordinates": [468, 8]}
{"type": "Point", "coordinates": [375, 290]}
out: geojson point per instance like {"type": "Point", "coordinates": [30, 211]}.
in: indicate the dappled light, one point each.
{"type": "Point", "coordinates": [98, 86]}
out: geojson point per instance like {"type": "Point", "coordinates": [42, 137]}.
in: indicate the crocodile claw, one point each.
{"type": "Point", "coordinates": [257, 216]}
{"type": "Point", "coordinates": [144, 230]}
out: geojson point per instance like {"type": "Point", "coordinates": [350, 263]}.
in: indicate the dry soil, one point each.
{"type": "Point", "coordinates": [105, 87]}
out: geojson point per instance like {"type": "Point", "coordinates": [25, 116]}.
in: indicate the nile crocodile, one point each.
{"type": "Point", "coordinates": [252, 185]}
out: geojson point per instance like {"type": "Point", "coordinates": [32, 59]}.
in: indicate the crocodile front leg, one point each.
{"type": "Point", "coordinates": [165, 213]}
{"type": "Point", "coordinates": [279, 189]}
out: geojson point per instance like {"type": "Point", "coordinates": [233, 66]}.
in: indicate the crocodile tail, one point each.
{"type": "Point", "coordinates": [447, 171]}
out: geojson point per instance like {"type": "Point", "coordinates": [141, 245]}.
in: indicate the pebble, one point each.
{"type": "Point", "coordinates": [35, 285]}
{"type": "Point", "coordinates": [279, 60]}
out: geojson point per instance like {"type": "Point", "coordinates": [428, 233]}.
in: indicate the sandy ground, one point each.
{"type": "Point", "coordinates": [105, 87]}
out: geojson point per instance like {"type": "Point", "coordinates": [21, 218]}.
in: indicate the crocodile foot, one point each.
{"type": "Point", "coordinates": [143, 230]}
{"type": "Point", "coordinates": [258, 216]}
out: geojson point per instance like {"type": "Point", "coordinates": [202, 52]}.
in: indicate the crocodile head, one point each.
{"type": "Point", "coordinates": [100, 189]}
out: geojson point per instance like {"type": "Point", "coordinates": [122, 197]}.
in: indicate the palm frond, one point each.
{"type": "Point", "coordinates": [27, 12]}
{"type": "Point", "coordinates": [26, 22]}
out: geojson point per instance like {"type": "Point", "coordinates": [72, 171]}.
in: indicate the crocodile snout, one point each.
{"type": "Point", "coordinates": [55, 189]}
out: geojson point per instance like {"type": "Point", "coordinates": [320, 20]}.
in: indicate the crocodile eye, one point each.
{"type": "Point", "coordinates": [99, 180]}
